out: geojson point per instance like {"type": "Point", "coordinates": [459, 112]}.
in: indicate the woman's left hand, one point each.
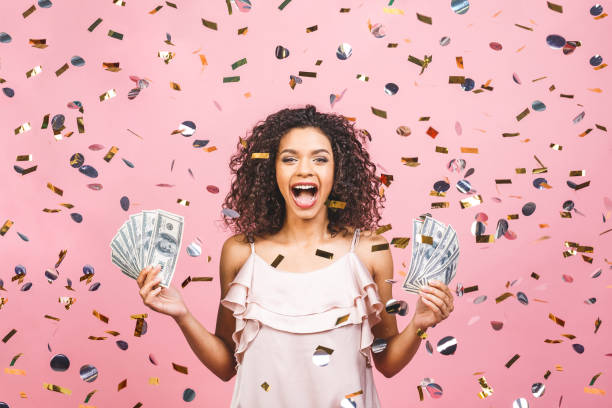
{"type": "Point", "coordinates": [435, 304]}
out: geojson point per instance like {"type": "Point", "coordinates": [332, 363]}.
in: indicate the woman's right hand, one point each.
{"type": "Point", "coordinates": [163, 300]}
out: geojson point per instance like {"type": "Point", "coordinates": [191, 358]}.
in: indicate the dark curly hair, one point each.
{"type": "Point", "coordinates": [254, 192]}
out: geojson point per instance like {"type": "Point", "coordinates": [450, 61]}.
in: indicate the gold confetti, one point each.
{"type": "Point", "coordinates": [512, 360]}
{"type": "Point", "coordinates": [166, 56]}
{"type": "Point", "coordinates": [24, 157]}
{"type": "Point", "coordinates": [382, 229]}
{"type": "Point", "coordinates": [209, 24]}
{"type": "Point", "coordinates": [94, 25]}
{"type": "Point", "coordinates": [459, 62]}
{"type": "Point", "coordinates": [155, 10]}
{"type": "Point", "coordinates": [114, 34]}
{"type": "Point", "coordinates": [277, 260]}
{"type": "Point", "coordinates": [335, 204]}
{"type": "Point", "coordinates": [486, 389]}
{"type": "Point", "coordinates": [111, 93]}
{"type": "Point", "coordinates": [502, 297]}
{"type": "Point", "coordinates": [66, 301]}
{"type": "Point", "coordinates": [471, 201]}
{"type": "Point", "coordinates": [469, 150]}
{"type": "Point", "coordinates": [379, 112]}
{"type": "Point", "coordinates": [420, 390]}
{"type": "Point", "coordinates": [483, 239]}
{"type": "Point", "coordinates": [56, 190]}
{"type": "Point", "coordinates": [186, 281]}
{"type": "Point", "coordinates": [154, 380]}
{"type": "Point", "coordinates": [424, 19]}
{"type": "Point", "coordinates": [29, 11]}
{"type": "Point", "coordinates": [393, 10]}
{"type": "Point", "coordinates": [555, 7]}
{"type": "Point", "coordinates": [111, 66]}
{"type": "Point", "coordinates": [555, 146]}
{"type": "Point", "coordinates": [179, 368]}
{"type": "Point", "coordinates": [14, 371]}
{"type": "Point", "coordinates": [260, 155]}
{"type": "Point", "coordinates": [421, 333]}
{"type": "Point", "coordinates": [440, 149]}
{"type": "Point", "coordinates": [96, 338]}
{"type": "Point", "coordinates": [522, 114]}
{"type": "Point", "coordinates": [597, 391]}
{"type": "Point", "coordinates": [411, 161]}
{"type": "Point", "coordinates": [265, 386]}
{"type": "Point", "coordinates": [57, 388]}
{"type": "Point", "coordinates": [455, 79]}
{"type": "Point", "coordinates": [557, 320]}
{"type": "Point", "coordinates": [175, 86]}
{"type": "Point", "coordinates": [5, 227]}
{"type": "Point", "coordinates": [62, 69]}
{"type": "Point", "coordinates": [122, 385]}
{"type": "Point", "coordinates": [324, 254]}
{"type": "Point", "coordinates": [400, 242]}
{"type": "Point", "coordinates": [342, 319]}
{"type": "Point", "coordinates": [139, 326]}
{"type": "Point", "coordinates": [34, 71]}
{"type": "Point", "coordinates": [100, 316]}
{"type": "Point", "coordinates": [380, 247]}
{"type": "Point", "coordinates": [440, 204]}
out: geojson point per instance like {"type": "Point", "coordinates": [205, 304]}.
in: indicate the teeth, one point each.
{"type": "Point", "coordinates": [301, 187]}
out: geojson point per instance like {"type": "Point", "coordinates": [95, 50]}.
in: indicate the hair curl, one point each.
{"type": "Point", "coordinates": [254, 192]}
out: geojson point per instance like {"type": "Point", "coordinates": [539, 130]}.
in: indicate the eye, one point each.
{"type": "Point", "coordinates": [286, 159]}
{"type": "Point", "coordinates": [321, 159]}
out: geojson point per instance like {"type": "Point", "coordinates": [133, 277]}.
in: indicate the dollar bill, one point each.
{"type": "Point", "coordinates": [136, 223]}
{"type": "Point", "coordinates": [149, 218]}
{"type": "Point", "coordinates": [165, 244]}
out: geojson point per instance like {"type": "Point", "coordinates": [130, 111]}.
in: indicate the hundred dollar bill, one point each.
{"type": "Point", "coordinates": [136, 223]}
{"type": "Point", "coordinates": [149, 218]}
{"type": "Point", "coordinates": [417, 226]}
{"type": "Point", "coordinates": [165, 244]}
{"type": "Point", "coordinates": [445, 249]}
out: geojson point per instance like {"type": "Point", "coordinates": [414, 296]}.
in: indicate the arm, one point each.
{"type": "Point", "coordinates": [430, 309]}
{"type": "Point", "coordinates": [216, 351]}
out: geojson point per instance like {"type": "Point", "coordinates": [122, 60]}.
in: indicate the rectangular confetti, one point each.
{"type": "Point", "coordinates": [512, 361]}
{"type": "Point", "coordinates": [209, 24]}
{"type": "Point", "coordinates": [9, 335]}
{"type": "Point", "coordinates": [557, 320]}
{"type": "Point", "coordinates": [122, 385]}
{"type": "Point", "coordinates": [380, 247]}
{"type": "Point", "coordinates": [324, 254]}
{"type": "Point", "coordinates": [379, 112]}
{"type": "Point", "coordinates": [61, 70]}
{"type": "Point", "coordinates": [57, 388]}
{"type": "Point", "coordinates": [29, 11]}
{"type": "Point", "coordinates": [277, 260]}
{"type": "Point", "coordinates": [115, 35]}
{"type": "Point", "coordinates": [521, 115]}
{"type": "Point", "coordinates": [231, 79]}
{"type": "Point", "coordinates": [469, 150]}
{"type": "Point", "coordinates": [262, 155]}
{"type": "Point", "coordinates": [424, 19]}
{"type": "Point", "coordinates": [555, 7]}
{"type": "Point", "coordinates": [94, 25]}
{"type": "Point", "coordinates": [307, 74]}
{"type": "Point", "coordinates": [180, 368]}
{"type": "Point", "coordinates": [342, 319]}
{"type": "Point", "coordinates": [5, 227]}
{"type": "Point", "coordinates": [239, 63]}
{"type": "Point", "coordinates": [100, 316]}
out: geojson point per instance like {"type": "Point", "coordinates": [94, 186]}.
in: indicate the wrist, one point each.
{"type": "Point", "coordinates": [416, 326]}
{"type": "Point", "coordinates": [182, 317]}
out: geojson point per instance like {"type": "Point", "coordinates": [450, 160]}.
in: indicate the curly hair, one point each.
{"type": "Point", "coordinates": [254, 192]}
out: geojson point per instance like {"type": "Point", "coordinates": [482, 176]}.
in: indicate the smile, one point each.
{"type": "Point", "coordinates": [304, 195]}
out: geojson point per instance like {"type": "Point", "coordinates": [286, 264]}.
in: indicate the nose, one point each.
{"type": "Point", "coordinates": [304, 167]}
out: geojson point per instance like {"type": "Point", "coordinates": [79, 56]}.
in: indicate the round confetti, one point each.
{"type": "Point", "coordinates": [568, 205]}
{"type": "Point", "coordinates": [522, 298]}
{"type": "Point", "coordinates": [444, 41]}
{"type": "Point", "coordinates": [555, 41]}
{"type": "Point", "coordinates": [429, 347]}
{"type": "Point", "coordinates": [122, 344]}
{"type": "Point", "coordinates": [320, 358]}
{"type": "Point", "coordinates": [447, 346]}
{"type": "Point", "coordinates": [77, 61]}
{"type": "Point", "coordinates": [345, 403]}
{"type": "Point", "coordinates": [88, 373]}
{"type": "Point", "coordinates": [403, 131]}
{"type": "Point", "coordinates": [125, 203]}
{"type": "Point", "coordinates": [482, 217]}
{"type": "Point", "coordinates": [596, 274]}
{"type": "Point", "coordinates": [344, 51]}
{"type": "Point", "coordinates": [200, 143]}
{"type": "Point", "coordinates": [5, 405]}
{"type": "Point", "coordinates": [143, 83]}
{"type": "Point", "coordinates": [230, 213]}
{"type": "Point", "coordinates": [5, 38]}
{"type": "Point", "coordinates": [76, 217]}
{"type": "Point", "coordinates": [497, 325]}
{"type": "Point", "coordinates": [510, 235]}
{"type": "Point", "coordinates": [133, 93]}
{"type": "Point", "coordinates": [394, 306]}
{"type": "Point", "coordinates": [596, 60]}
{"type": "Point", "coordinates": [478, 228]}
{"type": "Point", "coordinates": [50, 275]}
{"type": "Point", "coordinates": [194, 249]}
{"type": "Point", "coordinates": [244, 6]}
{"type": "Point", "coordinates": [569, 47]}
{"type": "Point", "coordinates": [187, 128]}
{"type": "Point", "coordinates": [20, 270]}
{"type": "Point", "coordinates": [495, 46]}
{"type": "Point", "coordinates": [468, 84]}
{"type": "Point", "coordinates": [57, 122]}
{"type": "Point", "coordinates": [128, 163]}
{"type": "Point", "coordinates": [457, 165]}
{"type": "Point", "coordinates": [89, 171]}
{"type": "Point", "coordinates": [567, 278]}
{"type": "Point", "coordinates": [469, 172]}
{"type": "Point", "coordinates": [537, 183]}
{"type": "Point", "coordinates": [379, 345]}
{"type": "Point", "coordinates": [590, 301]}
{"type": "Point", "coordinates": [152, 359]}
{"type": "Point", "coordinates": [77, 160]}
{"type": "Point", "coordinates": [281, 52]}
{"type": "Point", "coordinates": [520, 403]}
{"type": "Point", "coordinates": [578, 348]}
{"type": "Point", "coordinates": [441, 186]}
{"type": "Point", "coordinates": [528, 209]}
{"type": "Point", "coordinates": [391, 88]}
{"type": "Point", "coordinates": [464, 186]}
{"type": "Point", "coordinates": [480, 299]}
{"type": "Point", "coordinates": [596, 10]}
{"type": "Point", "coordinates": [60, 362]}
{"type": "Point", "coordinates": [212, 189]}
{"type": "Point", "coordinates": [538, 389]}
{"type": "Point", "coordinates": [95, 147]}
{"type": "Point", "coordinates": [94, 287]}
{"type": "Point", "coordinates": [88, 270]}
{"type": "Point", "coordinates": [378, 30]}
{"type": "Point", "coordinates": [460, 6]}
{"type": "Point", "coordinates": [23, 236]}
{"type": "Point", "coordinates": [8, 92]}
{"type": "Point", "coordinates": [44, 3]}
{"type": "Point", "coordinates": [502, 227]}
{"type": "Point", "coordinates": [189, 394]}
{"type": "Point", "coordinates": [75, 105]}
{"type": "Point", "coordinates": [516, 78]}
{"type": "Point", "coordinates": [538, 106]}
{"type": "Point", "coordinates": [434, 390]}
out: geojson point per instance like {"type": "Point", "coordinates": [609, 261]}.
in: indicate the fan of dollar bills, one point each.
{"type": "Point", "coordinates": [435, 251]}
{"type": "Point", "coordinates": [148, 238]}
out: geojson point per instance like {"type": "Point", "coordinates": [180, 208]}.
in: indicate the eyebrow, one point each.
{"type": "Point", "coordinates": [312, 152]}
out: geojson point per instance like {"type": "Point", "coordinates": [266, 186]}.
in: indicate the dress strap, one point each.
{"type": "Point", "coordinates": [252, 247]}
{"type": "Point", "coordinates": [355, 239]}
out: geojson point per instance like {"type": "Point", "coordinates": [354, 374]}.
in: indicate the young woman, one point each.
{"type": "Point", "coordinates": [302, 292]}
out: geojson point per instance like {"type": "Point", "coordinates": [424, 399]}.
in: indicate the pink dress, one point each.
{"type": "Point", "coordinates": [283, 317]}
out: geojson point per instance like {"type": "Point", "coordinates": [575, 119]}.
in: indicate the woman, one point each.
{"type": "Point", "coordinates": [297, 318]}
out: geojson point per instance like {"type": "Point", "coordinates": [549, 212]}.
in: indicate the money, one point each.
{"type": "Point", "coordinates": [435, 252]}
{"type": "Point", "coordinates": [152, 237]}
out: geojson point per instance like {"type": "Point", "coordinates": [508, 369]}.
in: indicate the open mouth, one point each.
{"type": "Point", "coordinates": [304, 195]}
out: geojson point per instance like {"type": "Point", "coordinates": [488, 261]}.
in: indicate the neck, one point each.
{"type": "Point", "coordinates": [305, 232]}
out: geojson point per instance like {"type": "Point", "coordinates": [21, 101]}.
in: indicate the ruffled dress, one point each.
{"type": "Point", "coordinates": [303, 339]}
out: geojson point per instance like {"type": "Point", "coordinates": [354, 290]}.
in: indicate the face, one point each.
{"type": "Point", "coordinates": [305, 158]}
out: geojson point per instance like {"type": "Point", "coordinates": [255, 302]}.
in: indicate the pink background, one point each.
{"type": "Point", "coordinates": [158, 110]}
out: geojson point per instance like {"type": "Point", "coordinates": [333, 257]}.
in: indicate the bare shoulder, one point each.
{"type": "Point", "coordinates": [378, 262]}
{"type": "Point", "coordinates": [234, 253]}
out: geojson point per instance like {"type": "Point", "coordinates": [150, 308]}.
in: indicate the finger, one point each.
{"type": "Point", "coordinates": [152, 274]}
{"type": "Point", "coordinates": [146, 288]}
{"type": "Point", "coordinates": [142, 276]}
{"type": "Point", "coordinates": [437, 293]}
{"type": "Point", "coordinates": [151, 295]}
{"type": "Point", "coordinates": [437, 301]}
{"type": "Point", "coordinates": [449, 296]}
{"type": "Point", "coordinates": [434, 308]}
